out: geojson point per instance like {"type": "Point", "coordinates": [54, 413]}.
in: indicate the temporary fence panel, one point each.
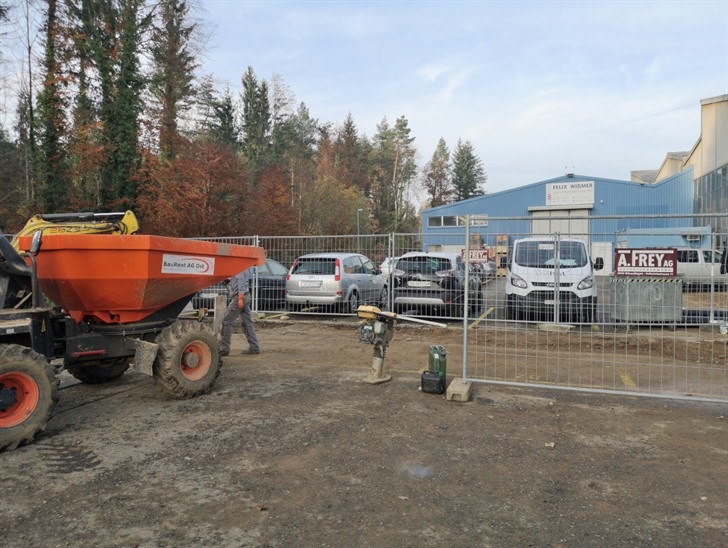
{"type": "Point", "coordinates": [650, 324]}
{"type": "Point", "coordinates": [205, 298]}
{"type": "Point", "coordinates": [429, 280]}
{"type": "Point", "coordinates": [337, 283]}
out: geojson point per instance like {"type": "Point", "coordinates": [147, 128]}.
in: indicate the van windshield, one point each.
{"type": "Point", "coordinates": [542, 254]}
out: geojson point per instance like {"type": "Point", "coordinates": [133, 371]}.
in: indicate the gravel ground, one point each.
{"type": "Point", "coordinates": [292, 448]}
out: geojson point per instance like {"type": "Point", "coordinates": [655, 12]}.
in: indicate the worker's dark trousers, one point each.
{"type": "Point", "coordinates": [231, 313]}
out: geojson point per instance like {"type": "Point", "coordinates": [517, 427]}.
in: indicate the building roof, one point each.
{"type": "Point", "coordinates": [644, 175]}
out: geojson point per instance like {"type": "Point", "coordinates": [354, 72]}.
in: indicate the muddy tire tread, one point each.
{"type": "Point", "coordinates": [172, 340]}
{"type": "Point", "coordinates": [16, 357]}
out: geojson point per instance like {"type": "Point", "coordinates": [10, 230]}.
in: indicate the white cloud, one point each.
{"type": "Point", "coordinates": [430, 73]}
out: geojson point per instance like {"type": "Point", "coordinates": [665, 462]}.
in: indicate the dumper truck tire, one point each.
{"type": "Point", "coordinates": [28, 394]}
{"type": "Point", "coordinates": [98, 372]}
{"type": "Point", "coordinates": [188, 360]}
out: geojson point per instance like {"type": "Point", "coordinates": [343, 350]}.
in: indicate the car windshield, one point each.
{"type": "Point", "coordinates": [423, 265]}
{"type": "Point", "coordinates": [542, 254]}
{"type": "Point", "coordinates": [277, 269]}
{"type": "Point", "coordinates": [315, 266]}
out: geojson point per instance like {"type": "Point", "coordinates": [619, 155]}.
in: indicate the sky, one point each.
{"type": "Point", "coordinates": [539, 88]}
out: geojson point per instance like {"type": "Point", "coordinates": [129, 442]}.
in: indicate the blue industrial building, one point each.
{"type": "Point", "coordinates": [514, 211]}
{"type": "Point", "coordinates": [659, 205]}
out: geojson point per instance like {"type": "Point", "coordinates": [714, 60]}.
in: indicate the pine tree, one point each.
{"type": "Point", "coordinates": [468, 176]}
{"type": "Point", "coordinates": [124, 130]}
{"type": "Point", "coordinates": [256, 122]}
{"type": "Point", "coordinates": [174, 67]}
{"type": "Point", "coordinates": [437, 179]}
{"type": "Point", "coordinates": [52, 166]}
{"type": "Point", "coordinates": [351, 156]}
{"type": "Point", "coordinates": [110, 35]}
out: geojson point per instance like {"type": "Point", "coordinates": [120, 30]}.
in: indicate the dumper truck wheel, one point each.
{"type": "Point", "coordinates": [28, 394]}
{"type": "Point", "coordinates": [99, 371]}
{"type": "Point", "coordinates": [188, 360]}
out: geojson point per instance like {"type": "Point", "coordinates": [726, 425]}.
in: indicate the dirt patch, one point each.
{"type": "Point", "coordinates": [292, 448]}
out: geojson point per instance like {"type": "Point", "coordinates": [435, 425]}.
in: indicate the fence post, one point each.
{"type": "Point", "coordinates": [466, 297]}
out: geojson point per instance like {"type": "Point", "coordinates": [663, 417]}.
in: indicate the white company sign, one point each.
{"type": "Point", "coordinates": [188, 264]}
{"type": "Point", "coordinates": [577, 193]}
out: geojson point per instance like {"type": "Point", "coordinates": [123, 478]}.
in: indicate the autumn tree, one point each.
{"type": "Point", "coordinates": [267, 205]}
{"type": "Point", "coordinates": [436, 176]}
{"type": "Point", "coordinates": [329, 206]}
{"type": "Point", "coordinates": [468, 176]}
{"type": "Point", "coordinates": [199, 192]}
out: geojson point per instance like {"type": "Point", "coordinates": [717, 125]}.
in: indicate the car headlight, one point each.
{"type": "Point", "coordinates": [517, 281]}
{"type": "Point", "coordinates": [586, 283]}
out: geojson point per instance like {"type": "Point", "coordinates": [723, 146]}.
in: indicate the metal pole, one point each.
{"type": "Point", "coordinates": [358, 243]}
{"type": "Point", "coordinates": [466, 302]}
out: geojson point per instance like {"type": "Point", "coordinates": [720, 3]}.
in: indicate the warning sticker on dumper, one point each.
{"type": "Point", "coordinates": [188, 264]}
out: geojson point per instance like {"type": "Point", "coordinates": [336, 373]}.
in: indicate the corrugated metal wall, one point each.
{"type": "Point", "coordinates": [673, 196]}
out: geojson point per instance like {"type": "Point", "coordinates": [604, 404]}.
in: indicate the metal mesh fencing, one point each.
{"type": "Point", "coordinates": [631, 305]}
{"type": "Point", "coordinates": [330, 274]}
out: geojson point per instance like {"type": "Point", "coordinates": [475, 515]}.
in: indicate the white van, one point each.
{"type": "Point", "coordinates": [698, 266]}
{"type": "Point", "coordinates": [537, 264]}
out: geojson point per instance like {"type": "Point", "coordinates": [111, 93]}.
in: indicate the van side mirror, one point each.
{"type": "Point", "coordinates": [599, 263]}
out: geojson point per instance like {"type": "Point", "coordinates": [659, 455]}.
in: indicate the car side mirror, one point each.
{"type": "Point", "coordinates": [599, 263]}
{"type": "Point", "coordinates": [377, 272]}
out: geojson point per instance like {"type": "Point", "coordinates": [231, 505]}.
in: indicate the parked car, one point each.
{"type": "Point", "coordinates": [531, 280]}
{"type": "Point", "coordinates": [272, 286]}
{"type": "Point", "coordinates": [271, 289]}
{"type": "Point", "coordinates": [484, 270]}
{"type": "Point", "coordinates": [205, 298]}
{"type": "Point", "coordinates": [388, 265]}
{"type": "Point", "coordinates": [339, 280]}
{"type": "Point", "coordinates": [698, 266]}
{"type": "Point", "coordinates": [434, 284]}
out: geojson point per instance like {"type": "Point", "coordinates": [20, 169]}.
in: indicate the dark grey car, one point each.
{"type": "Point", "coordinates": [434, 284]}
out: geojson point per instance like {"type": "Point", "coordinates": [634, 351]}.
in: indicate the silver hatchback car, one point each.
{"type": "Point", "coordinates": [339, 280]}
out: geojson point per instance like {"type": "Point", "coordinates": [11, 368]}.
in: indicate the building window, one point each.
{"type": "Point", "coordinates": [434, 221]}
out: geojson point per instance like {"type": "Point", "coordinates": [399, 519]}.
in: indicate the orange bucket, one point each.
{"type": "Point", "coordinates": [114, 278]}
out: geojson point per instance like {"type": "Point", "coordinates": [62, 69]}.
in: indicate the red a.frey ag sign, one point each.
{"type": "Point", "coordinates": [645, 262]}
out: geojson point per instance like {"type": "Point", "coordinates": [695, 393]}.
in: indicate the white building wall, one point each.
{"type": "Point", "coordinates": [714, 129]}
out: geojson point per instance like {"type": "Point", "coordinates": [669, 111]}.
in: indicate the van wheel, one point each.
{"type": "Point", "coordinates": [589, 313]}
{"type": "Point", "coordinates": [384, 297]}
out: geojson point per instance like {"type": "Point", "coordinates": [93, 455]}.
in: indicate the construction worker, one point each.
{"type": "Point", "coordinates": [239, 303]}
